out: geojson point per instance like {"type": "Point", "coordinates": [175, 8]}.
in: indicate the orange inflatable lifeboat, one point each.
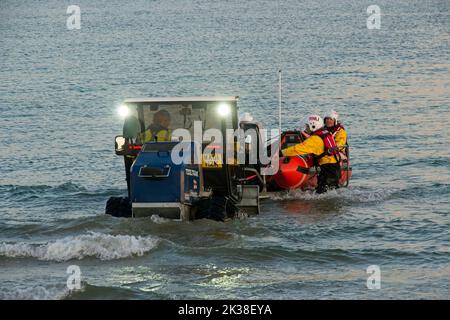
{"type": "Point", "coordinates": [299, 172]}
{"type": "Point", "coordinates": [292, 173]}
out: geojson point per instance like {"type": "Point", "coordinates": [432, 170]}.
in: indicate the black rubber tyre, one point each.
{"type": "Point", "coordinates": [118, 207]}
{"type": "Point", "coordinates": [215, 208]}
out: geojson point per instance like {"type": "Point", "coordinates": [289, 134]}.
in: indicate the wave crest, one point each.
{"type": "Point", "coordinates": [99, 245]}
{"type": "Point", "coordinates": [35, 293]}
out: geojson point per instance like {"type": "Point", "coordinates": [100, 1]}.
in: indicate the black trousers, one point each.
{"type": "Point", "coordinates": [328, 177]}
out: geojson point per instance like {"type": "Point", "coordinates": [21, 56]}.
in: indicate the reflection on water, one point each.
{"type": "Point", "coordinates": [317, 210]}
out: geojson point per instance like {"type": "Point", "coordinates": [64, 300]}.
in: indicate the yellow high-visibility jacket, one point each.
{"type": "Point", "coordinates": [312, 145]}
{"type": "Point", "coordinates": [340, 137]}
{"type": "Point", "coordinates": [161, 135]}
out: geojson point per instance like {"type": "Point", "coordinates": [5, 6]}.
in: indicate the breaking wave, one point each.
{"type": "Point", "coordinates": [35, 293]}
{"type": "Point", "coordinates": [99, 245]}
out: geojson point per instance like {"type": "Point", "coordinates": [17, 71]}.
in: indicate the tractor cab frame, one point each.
{"type": "Point", "coordinates": [208, 183]}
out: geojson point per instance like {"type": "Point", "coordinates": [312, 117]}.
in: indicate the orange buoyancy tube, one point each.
{"type": "Point", "coordinates": [292, 173]}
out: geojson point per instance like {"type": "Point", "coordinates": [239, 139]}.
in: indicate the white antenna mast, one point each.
{"type": "Point", "coordinates": [279, 100]}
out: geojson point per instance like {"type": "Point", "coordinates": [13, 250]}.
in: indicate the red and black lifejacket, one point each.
{"type": "Point", "coordinates": [336, 128]}
{"type": "Point", "coordinates": [330, 145]}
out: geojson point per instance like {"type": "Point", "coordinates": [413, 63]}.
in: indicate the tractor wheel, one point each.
{"type": "Point", "coordinates": [215, 208]}
{"type": "Point", "coordinates": [118, 207]}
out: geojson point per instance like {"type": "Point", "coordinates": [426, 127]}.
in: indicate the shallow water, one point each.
{"type": "Point", "coordinates": [59, 90]}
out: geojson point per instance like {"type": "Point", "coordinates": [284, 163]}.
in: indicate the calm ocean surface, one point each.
{"type": "Point", "coordinates": [59, 90]}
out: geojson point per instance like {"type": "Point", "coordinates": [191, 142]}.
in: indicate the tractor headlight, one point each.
{"type": "Point", "coordinates": [223, 109]}
{"type": "Point", "coordinates": [123, 111]}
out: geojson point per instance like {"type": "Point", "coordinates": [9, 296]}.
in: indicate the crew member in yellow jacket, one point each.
{"type": "Point", "coordinates": [159, 129]}
{"type": "Point", "coordinates": [337, 130]}
{"type": "Point", "coordinates": [323, 148]}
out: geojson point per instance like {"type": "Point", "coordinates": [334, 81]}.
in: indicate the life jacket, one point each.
{"type": "Point", "coordinates": [153, 133]}
{"type": "Point", "coordinates": [336, 128]}
{"type": "Point", "coordinates": [334, 131]}
{"type": "Point", "coordinates": [329, 144]}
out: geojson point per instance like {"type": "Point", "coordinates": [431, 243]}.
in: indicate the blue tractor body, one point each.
{"type": "Point", "coordinates": [159, 186]}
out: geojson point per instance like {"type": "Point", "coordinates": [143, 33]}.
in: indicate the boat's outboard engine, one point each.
{"type": "Point", "coordinates": [159, 186]}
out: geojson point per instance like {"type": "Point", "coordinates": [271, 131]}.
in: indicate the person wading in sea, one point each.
{"type": "Point", "coordinates": [337, 131]}
{"type": "Point", "coordinates": [323, 148]}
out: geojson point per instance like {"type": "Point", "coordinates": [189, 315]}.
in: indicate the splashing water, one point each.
{"type": "Point", "coordinates": [101, 246]}
{"type": "Point", "coordinates": [349, 194]}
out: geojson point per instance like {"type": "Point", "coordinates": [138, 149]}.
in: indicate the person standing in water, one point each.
{"type": "Point", "coordinates": [337, 131]}
{"type": "Point", "coordinates": [323, 148]}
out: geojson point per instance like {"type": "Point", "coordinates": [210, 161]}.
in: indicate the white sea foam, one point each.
{"type": "Point", "coordinates": [348, 194]}
{"type": "Point", "coordinates": [35, 293]}
{"type": "Point", "coordinates": [159, 220]}
{"type": "Point", "coordinates": [263, 239]}
{"type": "Point", "coordinates": [102, 246]}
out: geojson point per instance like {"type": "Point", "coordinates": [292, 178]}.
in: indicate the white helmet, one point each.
{"type": "Point", "coordinates": [333, 115]}
{"type": "Point", "coordinates": [314, 122]}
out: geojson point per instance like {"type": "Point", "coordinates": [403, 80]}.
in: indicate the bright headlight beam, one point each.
{"type": "Point", "coordinates": [123, 111]}
{"type": "Point", "coordinates": [223, 109]}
